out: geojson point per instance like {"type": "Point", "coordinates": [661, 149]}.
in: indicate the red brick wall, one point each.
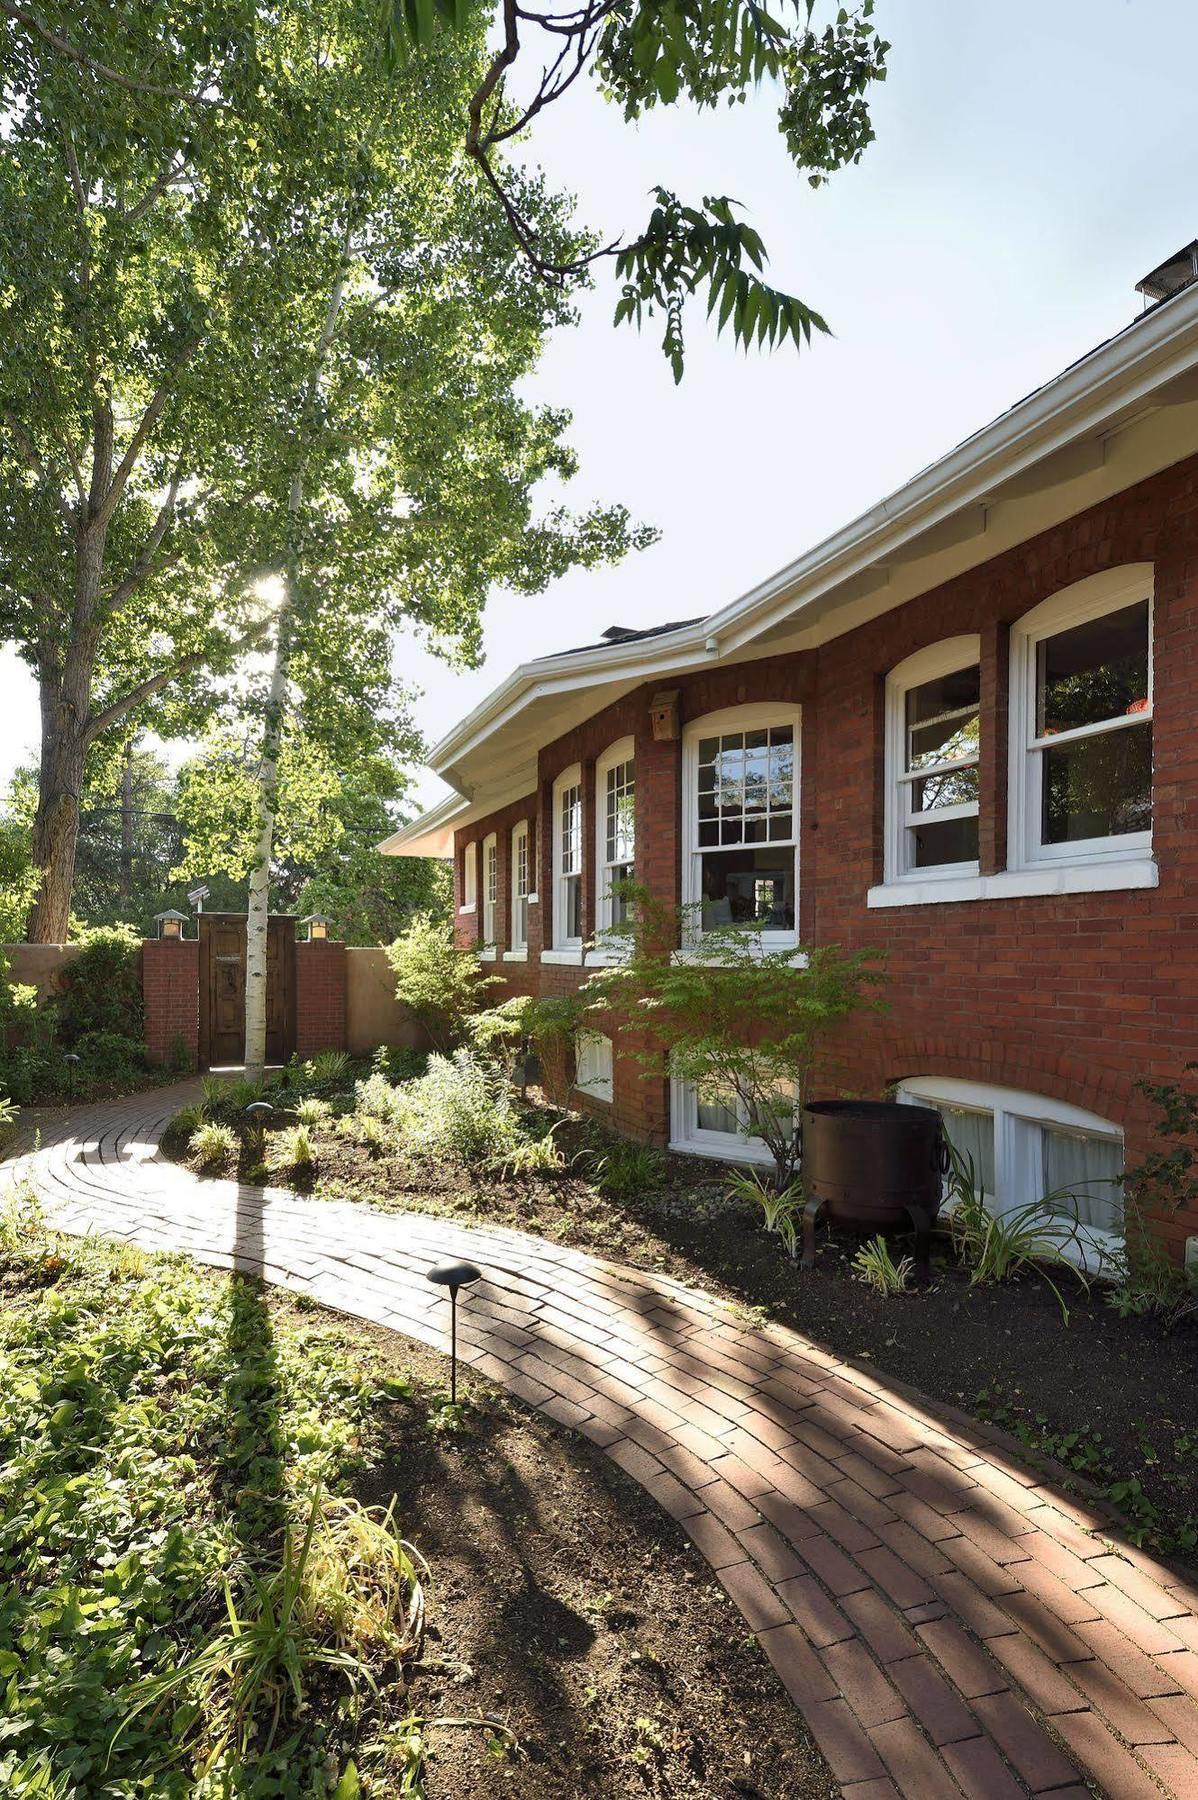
{"type": "Point", "coordinates": [319, 997]}
{"type": "Point", "coordinates": [1073, 997]}
{"type": "Point", "coordinates": [170, 980]}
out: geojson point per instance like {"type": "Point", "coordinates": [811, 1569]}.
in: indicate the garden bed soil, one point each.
{"type": "Point", "coordinates": [568, 1607]}
{"type": "Point", "coordinates": [1113, 1399]}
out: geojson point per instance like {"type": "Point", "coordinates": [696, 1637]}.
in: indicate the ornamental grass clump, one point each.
{"type": "Point", "coordinates": [213, 1145]}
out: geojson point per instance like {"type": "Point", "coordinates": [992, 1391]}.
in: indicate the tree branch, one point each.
{"type": "Point", "coordinates": [145, 426]}
{"type": "Point", "coordinates": [111, 715]}
{"type": "Point", "coordinates": [134, 84]}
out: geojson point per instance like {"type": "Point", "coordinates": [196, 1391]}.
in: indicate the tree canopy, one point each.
{"type": "Point", "coordinates": [641, 54]}
{"type": "Point", "coordinates": [168, 242]}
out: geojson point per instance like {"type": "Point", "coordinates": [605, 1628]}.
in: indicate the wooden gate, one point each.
{"type": "Point", "coordinates": [222, 988]}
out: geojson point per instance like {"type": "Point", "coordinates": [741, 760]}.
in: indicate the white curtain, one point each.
{"type": "Point", "coordinates": [1082, 1170]}
{"type": "Point", "coordinates": [971, 1134]}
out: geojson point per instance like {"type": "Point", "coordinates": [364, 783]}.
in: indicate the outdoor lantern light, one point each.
{"type": "Point", "coordinates": [257, 1112]}
{"type": "Point", "coordinates": [170, 923]}
{"type": "Point", "coordinates": [71, 1059]}
{"type": "Point", "coordinates": [453, 1276]}
{"type": "Point", "coordinates": [318, 927]}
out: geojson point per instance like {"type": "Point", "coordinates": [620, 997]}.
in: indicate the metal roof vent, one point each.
{"type": "Point", "coordinates": [616, 634]}
{"type": "Point", "coordinates": [1176, 273]}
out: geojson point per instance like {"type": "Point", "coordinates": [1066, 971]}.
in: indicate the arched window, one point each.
{"type": "Point", "coordinates": [933, 744]}
{"type": "Point", "coordinates": [1081, 723]}
{"type": "Point", "coordinates": [615, 831]}
{"type": "Point", "coordinates": [490, 892]}
{"type": "Point", "coordinates": [740, 822]}
{"type": "Point", "coordinates": [567, 859]}
{"type": "Point", "coordinates": [1027, 1148]}
{"type": "Point", "coordinates": [520, 889]}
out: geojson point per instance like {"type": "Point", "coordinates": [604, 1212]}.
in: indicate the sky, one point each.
{"type": "Point", "coordinates": [1032, 162]}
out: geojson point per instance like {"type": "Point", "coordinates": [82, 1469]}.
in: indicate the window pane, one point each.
{"type": "Point", "coordinates": [716, 1112]}
{"type": "Point", "coordinates": [1096, 671]}
{"type": "Point", "coordinates": [970, 1134]}
{"type": "Point", "coordinates": [941, 841]}
{"type": "Point", "coordinates": [958, 787]}
{"type": "Point", "coordinates": [1098, 787]}
{"type": "Point", "coordinates": [573, 898]}
{"type": "Point", "coordinates": [620, 812]}
{"type": "Point", "coordinates": [943, 718]}
{"type": "Point", "coordinates": [1081, 1171]}
{"type": "Point", "coordinates": [749, 887]}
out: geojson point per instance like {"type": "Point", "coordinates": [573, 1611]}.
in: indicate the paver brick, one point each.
{"type": "Point", "coordinates": [915, 1767]}
{"type": "Point", "coordinates": [713, 1540]}
{"type": "Point", "coordinates": [943, 1715]}
{"type": "Point", "coordinates": [802, 1673]}
{"type": "Point", "coordinates": [1024, 1743]}
{"type": "Point", "coordinates": [1176, 1766]}
{"type": "Point", "coordinates": [820, 1618]}
{"type": "Point", "coordinates": [756, 1598]}
{"type": "Point", "coordinates": [851, 1756]}
{"type": "Point", "coordinates": [980, 1771]}
{"type": "Point", "coordinates": [968, 1666]}
{"type": "Point", "coordinates": [884, 1629]}
{"type": "Point", "coordinates": [861, 1681]}
{"type": "Point", "coordinates": [1103, 1758]}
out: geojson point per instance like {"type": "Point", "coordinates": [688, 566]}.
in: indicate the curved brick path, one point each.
{"type": "Point", "coordinates": [945, 1620]}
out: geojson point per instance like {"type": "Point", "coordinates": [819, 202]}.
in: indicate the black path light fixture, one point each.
{"type": "Point", "coordinates": [258, 1112]}
{"type": "Point", "coordinates": [71, 1059]}
{"type": "Point", "coordinates": [453, 1276]}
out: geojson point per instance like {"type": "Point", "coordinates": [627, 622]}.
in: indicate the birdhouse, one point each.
{"type": "Point", "coordinates": [663, 716]}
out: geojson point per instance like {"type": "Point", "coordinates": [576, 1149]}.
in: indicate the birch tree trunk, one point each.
{"type": "Point", "coordinates": [258, 904]}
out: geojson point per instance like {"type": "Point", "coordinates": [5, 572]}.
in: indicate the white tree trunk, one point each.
{"type": "Point", "coordinates": [258, 906]}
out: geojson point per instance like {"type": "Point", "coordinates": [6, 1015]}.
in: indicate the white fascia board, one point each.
{"type": "Point", "coordinates": [1110, 381]}
{"type": "Point", "coordinates": [431, 834]}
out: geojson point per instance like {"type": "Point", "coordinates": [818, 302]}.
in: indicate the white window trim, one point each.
{"type": "Point", "coordinates": [518, 950]}
{"type": "Point", "coordinates": [688, 1139]}
{"type": "Point", "coordinates": [733, 718]}
{"type": "Point", "coordinates": [1098, 876]}
{"type": "Point", "coordinates": [593, 1051]}
{"type": "Point", "coordinates": [943, 658]}
{"type": "Point", "coordinates": [621, 752]}
{"type": "Point", "coordinates": [490, 907]}
{"type": "Point", "coordinates": [571, 777]}
{"type": "Point", "coordinates": [469, 878]}
{"type": "Point", "coordinates": [567, 954]}
{"type": "Point", "coordinates": [1011, 1108]}
{"type": "Point", "coordinates": [1084, 600]}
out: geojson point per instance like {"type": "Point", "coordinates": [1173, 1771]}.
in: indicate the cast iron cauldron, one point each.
{"type": "Point", "coordinates": [875, 1164]}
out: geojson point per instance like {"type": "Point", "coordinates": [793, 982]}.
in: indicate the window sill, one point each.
{"type": "Point", "coordinates": [533, 899]}
{"type": "Point", "coordinates": [487, 954]}
{"type": "Point", "coordinates": [605, 958]}
{"type": "Point", "coordinates": [515, 955]}
{"type": "Point", "coordinates": [563, 953]}
{"type": "Point", "coordinates": [471, 907]}
{"type": "Point", "coordinates": [737, 1151]}
{"type": "Point", "coordinates": [1102, 876]}
{"type": "Point", "coordinates": [694, 958]}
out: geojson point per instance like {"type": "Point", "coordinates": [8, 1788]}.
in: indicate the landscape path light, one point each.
{"type": "Point", "coordinates": [71, 1059]}
{"type": "Point", "coordinates": [453, 1276]}
{"type": "Point", "coordinates": [257, 1112]}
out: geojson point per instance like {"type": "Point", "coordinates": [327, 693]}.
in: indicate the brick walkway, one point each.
{"type": "Point", "coordinates": [946, 1621]}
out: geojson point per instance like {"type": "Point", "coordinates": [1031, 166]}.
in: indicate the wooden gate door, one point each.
{"type": "Point", "coordinates": [222, 988]}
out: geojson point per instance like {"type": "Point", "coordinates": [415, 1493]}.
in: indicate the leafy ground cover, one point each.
{"type": "Point", "coordinates": [1110, 1398]}
{"type": "Point", "coordinates": [204, 1590]}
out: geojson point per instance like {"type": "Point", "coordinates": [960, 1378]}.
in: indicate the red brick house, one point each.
{"type": "Point", "coordinates": [962, 729]}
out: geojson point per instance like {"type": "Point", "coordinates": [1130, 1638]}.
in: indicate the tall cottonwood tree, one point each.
{"type": "Point", "coordinates": [178, 200]}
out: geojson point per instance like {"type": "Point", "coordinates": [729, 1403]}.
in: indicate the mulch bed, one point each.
{"type": "Point", "coordinates": [1115, 1400]}
{"type": "Point", "coordinates": [568, 1607]}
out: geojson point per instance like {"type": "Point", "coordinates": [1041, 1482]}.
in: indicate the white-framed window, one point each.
{"type": "Point", "coordinates": [615, 830]}
{"type": "Point", "coordinates": [567, 859]}
{"type": "Point", "coordinates": [707, 1122]}
{"type": "Point", "coordinates": [490, 892]}
{"type": "Point", "coordinates": [469, 878]}
{"type": "Point", "coordinates": [593, 1065]}
{"type": "Point", "coordinates": [740, 818]}
{"type": "Point", "coordinates": [1026, 1147]}
{"type": "Point", "coordinates": [519, 931]}
{"type": "Point", "coordinates": [933, 742]}
{"type": "Point", "coordinates": [1081, 722]}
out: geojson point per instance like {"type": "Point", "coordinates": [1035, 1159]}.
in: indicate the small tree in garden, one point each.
{"type": "Point", "coordinates": [441, 985]}
{"type": "Point", "coordinates": [738, 1021]}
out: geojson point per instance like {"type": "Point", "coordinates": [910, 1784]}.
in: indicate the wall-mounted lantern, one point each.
{"type": "Point", "coordinates": [318, 927]}
{"type": "Point", "coordinates": [663, 716]}
{"type": "Point", "coordinates": [170, 923]}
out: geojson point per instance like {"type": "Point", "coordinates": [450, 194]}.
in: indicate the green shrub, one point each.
{"type": "Point", "coordinates": [296, 1150]}
{"type": "Point", "coordinates": [374, 1134]}
{"type": "Point", "coordinates": [460, 1109]}
{"type": "Point", "coordinates": [213, 1145]}
{"type": "Point", "coordinates": [398, 1062]}
{"type": "Point", "coordinates": [102, 986]}
{"type": "Point", "coordinates": [628, 1170]}
{"type": "Point", "coordinates": [375, 1098]}
{"type": "Point", "coordinates": [441, 985]}
{"type": "Point", "coordinates": [532, 1156]}
{"type": "Point", "coordinates": [190, 1119]}
{"type": "Point", "coordinates": [498, 1029]}
{"type": "Point", "coordinates": [874, 1265]}
{"type": "Point", "coordinates": [311, 1111]}
{"type": "Point", "coordinates": [8, 1119]}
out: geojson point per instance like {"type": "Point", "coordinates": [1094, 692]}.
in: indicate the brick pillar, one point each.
{"type": "Point", "coordinates": [170, 985]}
{"type": "Point", "coordinates": [319, 997]}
